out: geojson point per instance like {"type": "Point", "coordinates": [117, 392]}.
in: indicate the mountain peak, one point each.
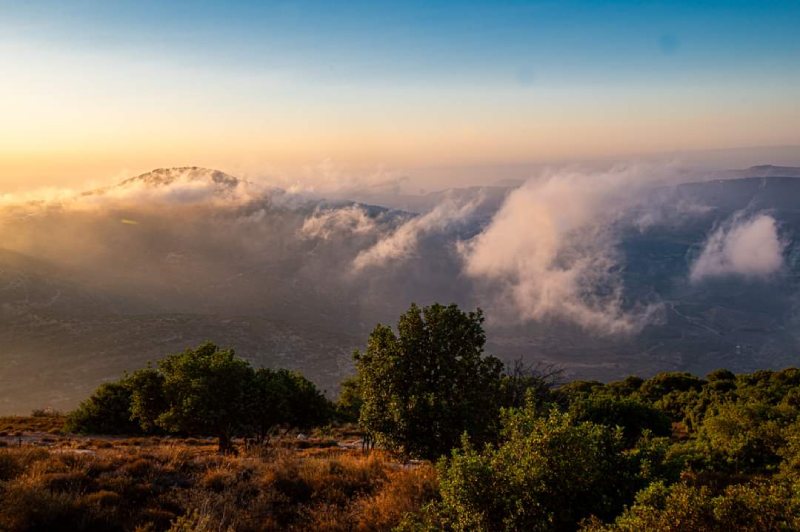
{"type": "Point", "coordinates": [186, 184]}
{"type": "Point", "coordinates": [167, 176]}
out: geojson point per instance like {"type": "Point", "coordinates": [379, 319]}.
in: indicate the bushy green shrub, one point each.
{"type": "Point", "coordinates": [548, 474]}
{"type": "Point", "coordinates": [106, 411]}
{"type": "Point", "coordinates": [202, 391]}
{"type": "Point", "coordinates": [680, 507]}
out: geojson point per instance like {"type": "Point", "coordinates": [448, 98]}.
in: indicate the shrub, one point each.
{"type": "Point", "coordinates": [107, 411]}
{"type": "Point", "coordinates": [9, 466]}
{"type": "Point", "coordinates": [745, 508]}
{"type": "Point", "coordinates": [549, 474]}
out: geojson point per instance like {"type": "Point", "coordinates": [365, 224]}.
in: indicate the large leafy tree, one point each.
{"type": "Point", "coordinates": [205, 392]}
{"type": "Point", "coordinates": [426, 385]}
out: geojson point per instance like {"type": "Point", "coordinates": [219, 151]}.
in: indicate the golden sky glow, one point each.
{"type": "Point", "coordinates": [74, 112]}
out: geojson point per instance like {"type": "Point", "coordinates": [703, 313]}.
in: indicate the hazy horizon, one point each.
{"type": "Point", "coordinates": [440, 94]}
{"type": "Point", "coordinates": [342, 124]}
{"type": "Point", "coordinates": [327, 178]}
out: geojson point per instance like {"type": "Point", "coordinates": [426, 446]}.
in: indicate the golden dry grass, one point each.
{"type": "Point", "coordinates": [51, 423]}
{"type": "Point", "coordinates": [156, 483]}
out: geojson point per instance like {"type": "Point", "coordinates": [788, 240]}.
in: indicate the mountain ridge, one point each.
{"type": "Point", "coordinates": [168, 175]}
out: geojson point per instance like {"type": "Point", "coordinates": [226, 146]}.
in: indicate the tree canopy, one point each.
{"type": "Point", "coordinates": [430, 382]}
{"type": "Point", "coordinates": [205, 391]}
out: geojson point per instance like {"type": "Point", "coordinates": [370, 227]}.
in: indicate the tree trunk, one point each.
{"type": "Point", "coordinates": [225, 445]}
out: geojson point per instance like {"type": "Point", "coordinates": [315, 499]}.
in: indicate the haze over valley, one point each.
{"type": "Point", "coordinates": [636, 269]}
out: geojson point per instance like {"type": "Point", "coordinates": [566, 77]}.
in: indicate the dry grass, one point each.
{"type": "Point", "coordinates": [153, 484]}
{"type": "Point", "coordinates": [50, 423]}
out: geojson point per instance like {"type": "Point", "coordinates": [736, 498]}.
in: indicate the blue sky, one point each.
{"type": "Point", "coordinates": [508, 42]}
{"type": "Point", "coordinates": [381, 74]}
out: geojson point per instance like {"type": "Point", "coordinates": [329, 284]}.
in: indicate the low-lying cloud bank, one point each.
{"type": "Point", "coordinates": [747, 247]}
{"type": "Point", "coordinates": [551, 251]}
{"type": "Point", "coordinates": [170, 186]}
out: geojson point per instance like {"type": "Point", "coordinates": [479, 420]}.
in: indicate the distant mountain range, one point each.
{"type": "Point", "coordinates": [700, 275]}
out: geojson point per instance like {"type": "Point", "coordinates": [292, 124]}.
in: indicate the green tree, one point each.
{"type": "Point", "coordinates": [268, 404]}
{"type": "Point", "coordinates": [205, 391]}
{"type": "Point", "coordinates": [664, 383]}
{"type": "Point", "coordinates": [577, 389]}
{"type": "Point", "coordinates": [626, 387]}
{"type": "Point", "coordinates": [106, 411]}
{"type": "Point", "coordinates": [721, 374]}
{"type": "Point", "coordinates": [308, 406]}
{"type": "Point", "coordinates": [426, 385]}
{"type": "Point", "coordinates": [284, 398]}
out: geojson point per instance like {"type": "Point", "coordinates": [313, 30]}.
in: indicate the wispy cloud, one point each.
{"type": "Point", "coordinates": [403, 242]}
{"type": "Point", "coordinates": [748, 247]}
{"type": "Point", "coordinates": [326, 222]}
{"type": "Point", "coordinates": [550, 252]}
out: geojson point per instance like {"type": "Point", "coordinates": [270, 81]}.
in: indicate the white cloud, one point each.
{"type": "Point", "coordinates": [550, 252]}
{"type": "Point", "coordinates": [749, 247]}
{"type": "Point", "coordinates": [403, 242]}
{"type": "Point", "coordinates": [324, 223]}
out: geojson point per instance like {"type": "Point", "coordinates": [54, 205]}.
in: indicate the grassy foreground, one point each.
{"type": "Point", "coordinates": [54, 482]}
